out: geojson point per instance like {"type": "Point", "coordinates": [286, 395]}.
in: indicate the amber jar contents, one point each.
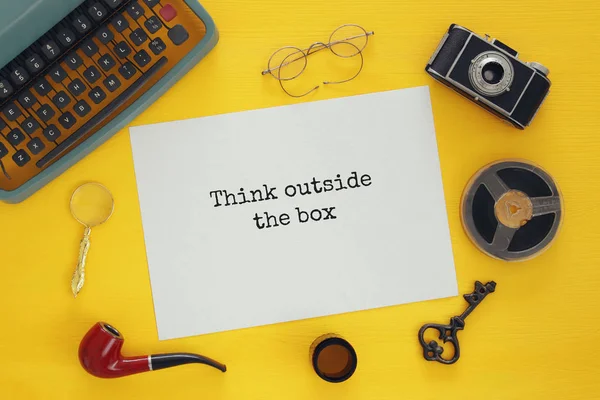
{"type": "Point", "coordinates": [333, 358]}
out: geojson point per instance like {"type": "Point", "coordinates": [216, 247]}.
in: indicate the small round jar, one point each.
{"type": "Point", "coordinates": [333, 358]}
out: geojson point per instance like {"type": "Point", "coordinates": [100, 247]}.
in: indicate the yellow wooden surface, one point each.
{"type": "Point", "coordinates": [535, 338]}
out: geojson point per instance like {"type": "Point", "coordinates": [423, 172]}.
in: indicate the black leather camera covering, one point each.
{"type": "Point", "coordinates": [532, 99]}
{"type": "Point", "coordinates": [453, 45]}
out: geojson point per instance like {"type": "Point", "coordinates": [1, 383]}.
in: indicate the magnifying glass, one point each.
{"type": "Point", "coordinates": [91, 205]}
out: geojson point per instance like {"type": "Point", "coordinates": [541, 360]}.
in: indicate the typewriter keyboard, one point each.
{"type": "Point", "coordinates": [82, 73]}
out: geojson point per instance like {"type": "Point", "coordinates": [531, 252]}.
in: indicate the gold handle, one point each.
{"type": "Point", "coordinates": [79, 274]}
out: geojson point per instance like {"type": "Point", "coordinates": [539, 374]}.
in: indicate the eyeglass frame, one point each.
{"type": "Point", "coordinates": [311, 50]}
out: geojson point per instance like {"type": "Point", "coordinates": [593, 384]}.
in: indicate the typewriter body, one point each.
{"type": "Point", "coordinates": [74, 72]}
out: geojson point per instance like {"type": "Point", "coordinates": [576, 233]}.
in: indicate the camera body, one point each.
{"type": "Point", "coordinates": [489, 73]}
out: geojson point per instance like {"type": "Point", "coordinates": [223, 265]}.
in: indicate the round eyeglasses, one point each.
{"type": "Point", "coordinates": [290, 62]}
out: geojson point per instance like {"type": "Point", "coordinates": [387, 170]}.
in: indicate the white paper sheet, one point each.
{"type": "Point", "coordinates": [384, 243]}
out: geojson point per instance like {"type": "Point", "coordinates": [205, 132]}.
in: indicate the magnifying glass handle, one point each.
{"type": "Point", "coordinates": [79, 274]}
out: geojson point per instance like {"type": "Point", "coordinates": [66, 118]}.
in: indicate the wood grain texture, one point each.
{"type": "Point", "coordinates": [535, 338]}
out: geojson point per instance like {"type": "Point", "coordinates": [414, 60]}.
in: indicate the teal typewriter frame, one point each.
{"type": "Point", "coordinates": [120, 121]}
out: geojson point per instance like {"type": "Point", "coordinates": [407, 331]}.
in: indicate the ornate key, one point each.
{"type": "Point", "coordinates": [432, 351]}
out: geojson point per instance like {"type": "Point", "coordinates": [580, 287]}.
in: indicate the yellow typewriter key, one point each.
{"type": "Point", "coordinates": [91, 204]}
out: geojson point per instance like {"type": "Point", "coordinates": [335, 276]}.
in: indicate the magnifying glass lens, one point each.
{"type": "Point", "coordinates": [91, 204]}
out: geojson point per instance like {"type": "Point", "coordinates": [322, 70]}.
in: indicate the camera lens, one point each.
{"type": "Point", "coordinates": [492, 73]}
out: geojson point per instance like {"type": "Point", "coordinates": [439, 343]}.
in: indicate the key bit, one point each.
{"type": "Point", "coordinates": [433, 351]}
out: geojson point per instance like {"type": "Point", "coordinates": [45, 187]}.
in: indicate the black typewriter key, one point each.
{"type": "Point", "coordinates": [89, 48]}
{"type": "Point", "coordinates": [67, 120]}
{"type": "Point", "coordinates": [138, 37]}
{"type": "Point", "coordinates": [142, 58]}
{"type": "Point", "coordinates": [30, 125]}
{"type": "Point", "coordinates": [26, 99]}
{"type": "Point", "coordinates": [58, 74]}
{"type": "Point", "coordinates": [12, 112]}
{"type": "Point", "coordinates": [82, 108]}
{"type": "Point", "coordinates": [105, 35]}
{"type": "Point", "coordinates": [3, 150]}
{"type": "Point", "coordinates": [91, 74]}
{"type": "Point", "coordinates": [153, 24]}
{"type": "Point", "coordinates": [76, 87]}
{"type": "Point", "coordinates": [45, 113]}
{"type": "Point", "coordinates": [35, 146]}
{"type": "Point", "coordinates": [157, 46]}
{"type": "Point", "coordinates": [50, 50]}
{"type": "Point", "coordinates": [66, 37]}
{"type": "Point", "coordinates": [74, 61]}
{"type": "Point", "coordinates": [112, 83]}
{"type": "Point", "coordinates": [82, 24]}
{"type": "Point", "coordinates": [113, 3]}
{"type": "Point", "coordinates": [97, 12]}
{"type": "Point", "coordinates": [127, 70]}
{"type": "Point", "coordinates": [122, 50]}
{"type": "Point", "coordinates": [51, 133]}
{"type": "Point", "coordinates": [19, 76]}
{"type": "Point", "coordinates": [5, 89]}
{"type": "Point", "coordinates": [135, 11]}
{"type": "Point", "coordinates": [21, 158]}
{"type": "Point", "coordinates": [42, 87]}
{"type": "Point", "coordinates": [2, 124]}
{"type": "Point", "coordinates": [120, 23]}
{"type": "Point", "coordinates": [151, 3]}
{"type": "Point", "coordinates": [106, 62]}
{"type": "Point", "coordinates": [15, 137]}
{"type": "Point", "coordinates": [34, 64]}
{"type": "Point", "coordinates": [178, 35]}
{"type": "Point", "coordinates": [61, 100]}
{"type": "Point", "coordinates": [97, 95]}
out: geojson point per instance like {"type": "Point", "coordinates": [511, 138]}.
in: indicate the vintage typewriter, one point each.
{"type": "Point", "coordinates": [74, 72]}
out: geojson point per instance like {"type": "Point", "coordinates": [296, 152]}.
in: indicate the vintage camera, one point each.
{"type": "Point", "coordinates": [489, 73]}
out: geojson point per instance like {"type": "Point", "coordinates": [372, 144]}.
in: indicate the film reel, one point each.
{"type": "Point", "coordinates": [511, 210]}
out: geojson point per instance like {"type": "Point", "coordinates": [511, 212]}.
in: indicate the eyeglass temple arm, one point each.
{"type": "Point", "coordinates": [362, 63]}
{"type": "Point", "coordinates": [311, 50]}
{"type": "Point", "coordinates": [285, 63]}
{"type": "Point", "coordinates": [320, 45]}
{"type": "Point", "coordinates": [347, 40]}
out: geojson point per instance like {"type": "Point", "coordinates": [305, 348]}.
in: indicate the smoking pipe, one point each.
{"type": "Point", "coordinates": [100, 355]}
